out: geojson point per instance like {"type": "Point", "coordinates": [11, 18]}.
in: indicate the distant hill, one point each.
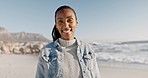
{"type": "Point", "coordinates": [5, 35]}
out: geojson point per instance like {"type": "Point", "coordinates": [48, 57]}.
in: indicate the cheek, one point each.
{"type": "Point", "coordinates": [58, 28]}
{"type": "Point", "coordinates": [74, 26]}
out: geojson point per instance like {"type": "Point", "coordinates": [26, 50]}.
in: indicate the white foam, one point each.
{"type": "Point", "coordinates": [126, 53]}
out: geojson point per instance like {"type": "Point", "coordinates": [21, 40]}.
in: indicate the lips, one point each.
{"type": "Point", "coordinates": [67, 31]}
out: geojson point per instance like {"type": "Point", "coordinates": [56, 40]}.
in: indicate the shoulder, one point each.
{"type": "Point", "coordinates": [49, 45]}
{"type": "Point", "coordinates": [87, 50]}
{"type": "Point", "coordinates": [82, 43]}
{"type": "Point", "coordinates": [85, 47]}
{"type": "Point", "coordinates": [45, 51]}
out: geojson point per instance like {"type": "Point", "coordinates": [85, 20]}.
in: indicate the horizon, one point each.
{"type": "Point", "coordinates": [102, 21]}
{"type": "Point", "coordinates": [90, 41]}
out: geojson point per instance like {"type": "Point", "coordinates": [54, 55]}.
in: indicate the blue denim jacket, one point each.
{"type": "Point", "coordinates": [50, 63]}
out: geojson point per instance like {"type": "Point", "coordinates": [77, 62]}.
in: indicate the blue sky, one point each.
{"type": "Point", "coordinates": [101, 20]}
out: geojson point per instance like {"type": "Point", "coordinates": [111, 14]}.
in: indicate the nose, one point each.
{"type": "Point", "coordinates": [66, 24]}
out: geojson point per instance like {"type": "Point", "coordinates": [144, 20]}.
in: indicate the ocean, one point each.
{"type": "Point", "coordinates": [132, 52]}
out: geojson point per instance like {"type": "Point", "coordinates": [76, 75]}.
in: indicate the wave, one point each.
{"type": "Point", "coordinates": [132, 52]}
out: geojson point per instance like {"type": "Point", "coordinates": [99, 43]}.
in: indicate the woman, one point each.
{"type": "Point", "coordinates": [66, 56]}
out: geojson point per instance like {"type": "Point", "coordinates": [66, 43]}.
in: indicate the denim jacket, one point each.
{"type": "Point", "coordinates": [50, 63]}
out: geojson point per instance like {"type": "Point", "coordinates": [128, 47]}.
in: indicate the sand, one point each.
{"type": "Point", "coordinates": [110, 72]}
{"type": "Point", "coordinates": [24, 66]}
{"type": "Point", "coordinates": [18, 66]}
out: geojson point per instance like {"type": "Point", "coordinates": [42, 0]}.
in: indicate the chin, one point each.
{"type": "Point", "coordinates": [67, 38]}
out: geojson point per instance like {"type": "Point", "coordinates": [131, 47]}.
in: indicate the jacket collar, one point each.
{"type": "Point", "coordinates": [56, 43]}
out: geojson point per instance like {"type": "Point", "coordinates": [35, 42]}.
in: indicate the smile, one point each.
{"type": "Point", "coordinates": [67, 31]}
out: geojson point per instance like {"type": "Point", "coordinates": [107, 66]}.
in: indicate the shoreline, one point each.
{"type": "Point", "coordinates": [24, 66]}
{"type": "Point", "coordinates": [123, 65]}
{"type": "Point", "coordinates": [122, 70]}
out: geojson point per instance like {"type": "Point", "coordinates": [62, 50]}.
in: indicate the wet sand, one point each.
{"type": "Point", "coordinates": [24, 66]}
{"type": "Point", "coordinates": [110, 72]}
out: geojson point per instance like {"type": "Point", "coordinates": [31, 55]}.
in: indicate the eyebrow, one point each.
{"type": "Point", "coordinates": [60, 18]}
{"type": "Point", "coordinates": [66, 17]}
{"type": "Point", "coordinates": [69, 16]}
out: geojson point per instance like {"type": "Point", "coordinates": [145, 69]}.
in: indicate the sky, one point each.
{"type": "Point", "coordinates": [98, 20]}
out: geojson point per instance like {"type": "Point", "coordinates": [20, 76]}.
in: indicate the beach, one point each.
{"type": "Point", "coordinates": [17, 66]}
{"type": "Point", "coordinates": [110, 72]}
{"type": "Point", "coordinates": [24, 66]}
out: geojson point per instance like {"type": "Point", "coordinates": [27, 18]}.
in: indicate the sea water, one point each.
{"type": "Point", "coordinates": [126, 54]}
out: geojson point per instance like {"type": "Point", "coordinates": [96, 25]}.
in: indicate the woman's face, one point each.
{"type": "Point", "coordinates": [66, 23]}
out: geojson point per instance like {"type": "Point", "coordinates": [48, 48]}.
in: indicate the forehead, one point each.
{"type": "Point", "coordinates": [65, 13]}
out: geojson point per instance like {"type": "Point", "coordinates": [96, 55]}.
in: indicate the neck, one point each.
{"type": "Point", "coordinates": [66, 43]}
{"type": "Point", "coordinates": [69, 38]}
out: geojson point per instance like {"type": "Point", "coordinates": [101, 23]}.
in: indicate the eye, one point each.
{"type": "Point", "coordinates": [70, 20]}
{"type": "Point", "coordinates": [60, 21]}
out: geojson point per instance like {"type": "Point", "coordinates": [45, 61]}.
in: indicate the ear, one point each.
{"type": "Point", "coordinates": [76, 22]}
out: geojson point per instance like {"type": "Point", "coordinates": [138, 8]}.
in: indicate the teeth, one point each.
{"type": "Point", "coordinates": [66, 31]}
